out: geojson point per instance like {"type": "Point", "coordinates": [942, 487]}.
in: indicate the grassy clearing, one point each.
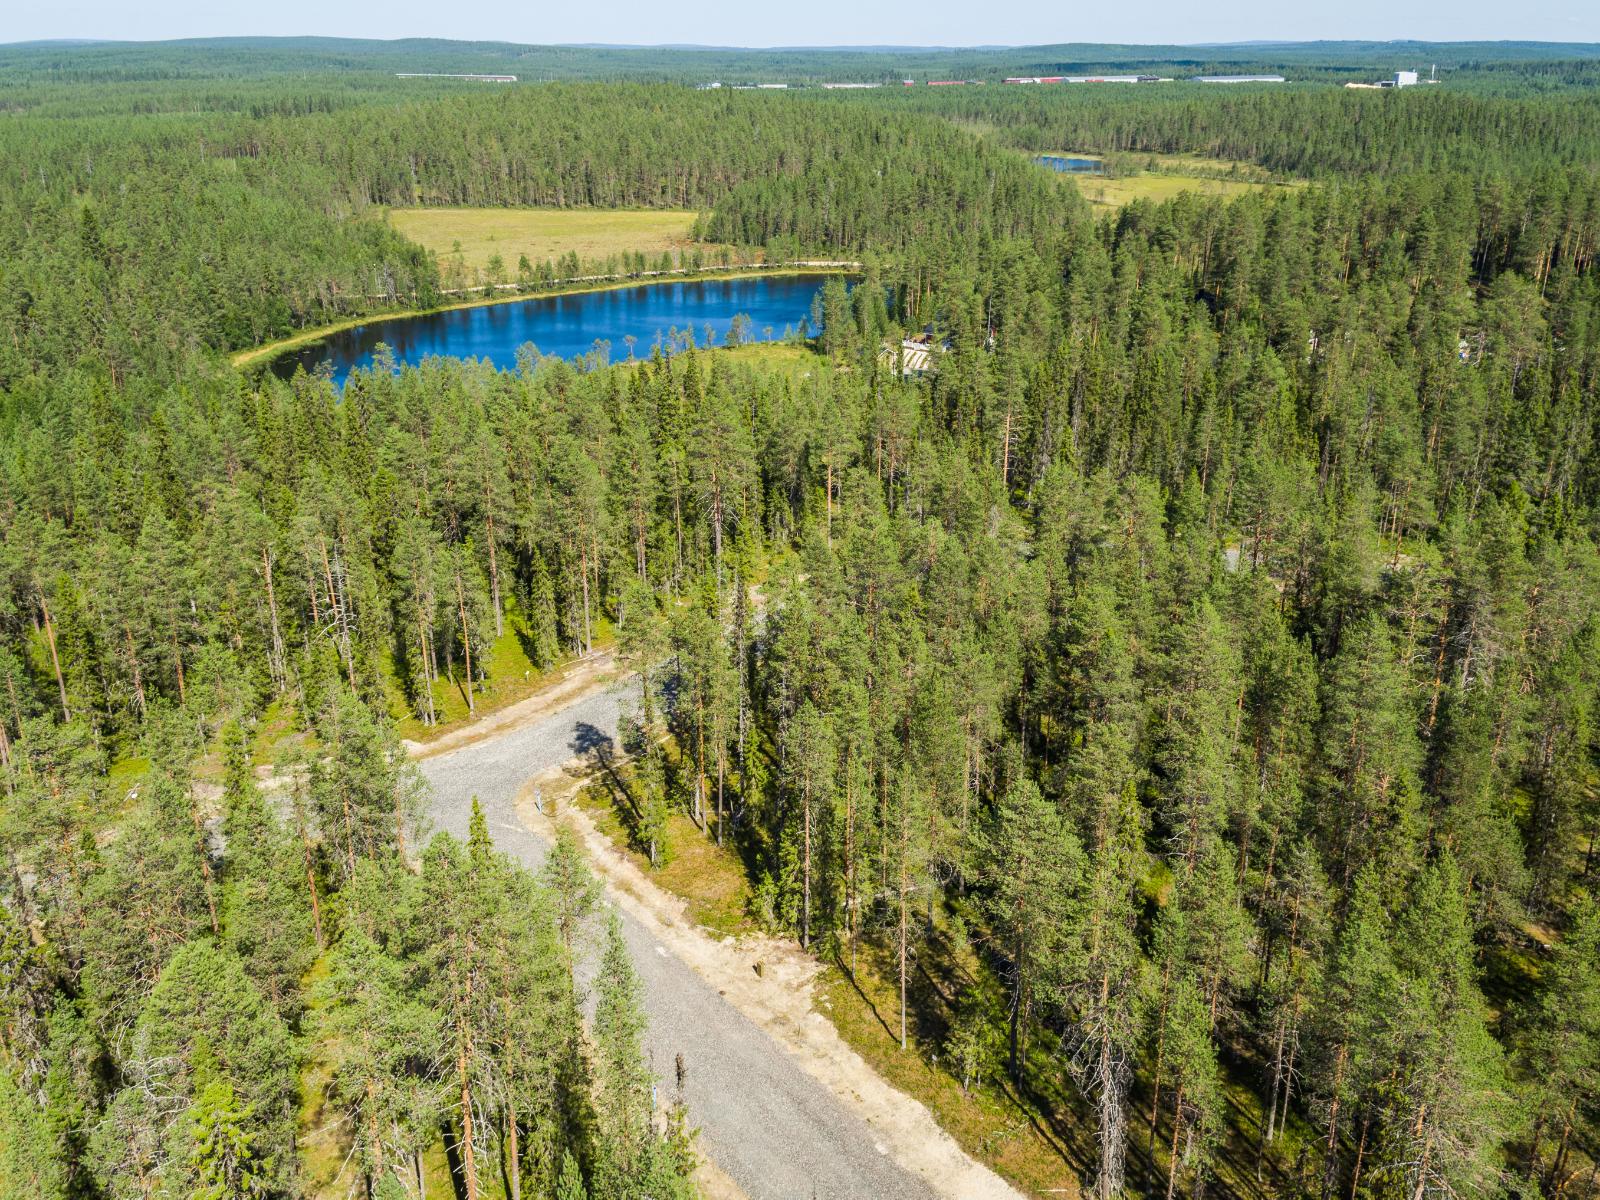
{"type": "Point", "coordinates": [1112, 192]}
{"type": "Point", "coordinates": [273, 728]}
{"type": "Point", "coordinates": [1200, 166]}
{"type": "Point", "coordinates": [324, 1141]}
{"type": "Point", "coordinates": [795, 359]}
{"type": "Point", "coordinates": [1158, 177]}
{"type": "Point", "coordinates": [776, 354]}
{"type": "Point", "coordinates": [125, 772]}
{"type": "Point", "coordinates": [543, 234]}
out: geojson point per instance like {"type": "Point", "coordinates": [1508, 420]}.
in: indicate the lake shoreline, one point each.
{"type": "Point", "coordinates": [264, 355]}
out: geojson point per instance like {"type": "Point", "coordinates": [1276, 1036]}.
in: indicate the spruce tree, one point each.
{"type": "Point", "coordinates": [624, 1087]}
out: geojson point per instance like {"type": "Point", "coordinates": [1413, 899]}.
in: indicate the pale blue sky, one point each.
{"type": "Point", "coordinates": [811, 22]}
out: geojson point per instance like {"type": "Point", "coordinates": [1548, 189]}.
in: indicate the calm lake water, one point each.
{"type": "Point", "coordinates": [1072, 166]}
{"type": "Point", "coordinates": [568, 326]}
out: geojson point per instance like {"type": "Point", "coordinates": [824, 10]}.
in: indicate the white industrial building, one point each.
{"type": "Point", "coordinates": [1400, 79]}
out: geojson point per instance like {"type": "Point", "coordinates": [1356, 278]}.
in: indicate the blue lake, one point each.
{"type": "Point", "coordinates": [1070, 165]}
{"type": "Point", "coordinates": [569, 326]}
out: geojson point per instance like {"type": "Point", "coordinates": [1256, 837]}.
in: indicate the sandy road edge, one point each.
{"type": "Point", "coordinates": [577, 681]}
{"type": "Point", "coordinates": [778, 1000]}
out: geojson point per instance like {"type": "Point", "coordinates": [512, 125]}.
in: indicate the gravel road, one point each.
{"type": "Point", "coordinates": [775, 1130]}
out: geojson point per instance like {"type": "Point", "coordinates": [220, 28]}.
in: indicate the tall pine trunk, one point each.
{"type": "Point", "coordinates": [805, 859]}
{"type": "Point", "coordinates": [464, 1052]}
{"type": "Point", "coordinates": [1172, 1155]}
{"type": "Point", "coordinates": [494, 583]}
{"type": "Point", "coordinates": [277, 655]}
{"type": "Point", "coordinates": [466, 636]}
{"type": "Point", "coordinates": [55, 659]}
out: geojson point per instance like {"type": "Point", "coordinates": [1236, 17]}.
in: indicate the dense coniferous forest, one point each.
{"type": "Point", "coordinates": [1303, 132]}
{"type": "Point", "coordinates": [1210, 644]}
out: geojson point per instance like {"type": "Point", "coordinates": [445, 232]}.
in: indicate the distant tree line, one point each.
{"type": "Point", "coordinates": [1316, 132]}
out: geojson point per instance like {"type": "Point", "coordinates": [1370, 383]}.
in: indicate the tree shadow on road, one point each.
{"type": "Point", "coordinates": [599, 751]}
{"type": "Point", "coordinates": [593, 743]}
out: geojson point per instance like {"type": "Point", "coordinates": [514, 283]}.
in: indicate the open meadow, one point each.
{"type": "Point", "coordinates": [543, 234]}
{"type": "Point", "coordinates": [1114, 191]}
{"type": "Point", "coordinates": [1160, 177]}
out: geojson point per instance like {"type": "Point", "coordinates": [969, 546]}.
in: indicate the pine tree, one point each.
{"type": "Point", "coordinates": [378, 1035]}
{"type": "Point", "coordinates": [1101, 977]}
{"type": "Point", "coordinates": [367, 795]}
{"type": "Point", "coordinates": [223, 1161]}
{"type": "Point", "coordinates": [1561, 1046]}
{"type": "Point", "coordinates": [1036, 872]}
{"type": "Point", "coordinates": [701, 668]}
{"type": "Point", "coordinates": [1196, 1086]}
{"type": "Point", "coordinates": [1370, 755]}
{"type": "Point", "coordinates": [204, 1026]}
{"type": "Point", "coordinates": [1296, 928]}
{"type": "Point", "coordinates": [719, 454]}
{"type": "Point", "coordinates": [149, 899]}
{"type": "Point", "coordinates": [643, 645]}
{"type": "Point", "coordinates": [1354, 1042]}
{"type": "Point", "coordinates": [572, 885]}
{"type": "Point", "coordinates": [1198, 733]}
{"type": "Point", "coordinates": [1449, 1105]}
{"type": "Point", "coordinates": [809, 769]}
{"type": "Point", "coordinates": [29, 1167]}
{"type": "Point", "coordinates": [833, 318]}
{"type": "Point", "coordinates": [533, 1017]}
{"type": "Point", "coordinates": [265, 918]}
{"type": "Point", "coordinates": [460, 906]}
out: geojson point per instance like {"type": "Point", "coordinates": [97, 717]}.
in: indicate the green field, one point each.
{"type": "Point", "coordinates": [543, 234]}
{"type": "Point", "coordinates": [1114, 191]}
{"type": "Point", "coordinates": [1159, 177]}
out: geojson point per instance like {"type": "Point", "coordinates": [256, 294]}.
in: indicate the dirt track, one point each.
{"type": "Point", "coordinates": [786, 1110]}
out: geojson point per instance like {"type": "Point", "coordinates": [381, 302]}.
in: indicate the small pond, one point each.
{"type": "Point", "coordinates": [1071, 166]}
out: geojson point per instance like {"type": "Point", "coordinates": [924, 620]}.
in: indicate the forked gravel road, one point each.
{"type": "Point", "coordinates": [773, 1129]}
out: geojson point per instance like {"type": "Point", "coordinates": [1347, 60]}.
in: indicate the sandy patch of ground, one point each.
{"type": "Point", "coordinates": [715, 1183]}
{"type": "Point", "coordinates": [770, 981]}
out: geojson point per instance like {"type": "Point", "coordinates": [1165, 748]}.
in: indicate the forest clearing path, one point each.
{"type": "Point", "coordinates": [786, 1110]}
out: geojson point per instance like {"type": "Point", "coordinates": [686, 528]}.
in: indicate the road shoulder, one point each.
{"type": "Point", "coordinates": [778, 999]}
